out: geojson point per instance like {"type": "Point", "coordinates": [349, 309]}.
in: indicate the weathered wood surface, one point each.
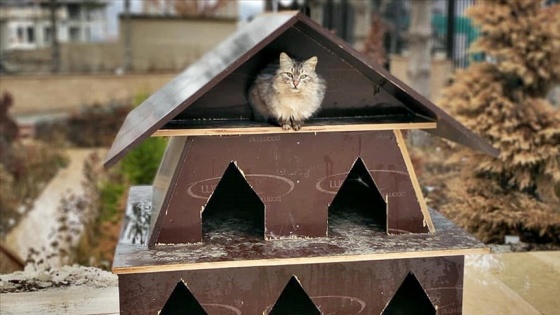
{"type": "Point", "coordinates": [512, 283]}
{"type": "Point", "coordinates": [348, 241]}
{"type": "Point", "coordinates": [225, 129]}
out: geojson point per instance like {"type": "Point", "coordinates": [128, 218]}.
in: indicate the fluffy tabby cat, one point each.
{"type": "Point", "coordinates": [288, 92]}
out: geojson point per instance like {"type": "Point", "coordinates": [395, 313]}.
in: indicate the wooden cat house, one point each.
{"type": "Point", "coordinates": [245, 218]}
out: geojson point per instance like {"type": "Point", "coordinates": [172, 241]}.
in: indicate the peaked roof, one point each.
{"type": "Point", "coordinates": [200, 87]}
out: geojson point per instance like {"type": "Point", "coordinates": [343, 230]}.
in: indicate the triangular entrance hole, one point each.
{"type": "Point", "coordinates": [410, 299]}
{"type": "Point", "coordinates": [294, 301]}
{"type": "Point", "coordinates": [234, 209]}
{"type": "Point", "coordinates": [358, 202]}
{"type": "Point", "coordinates": [182, 302]}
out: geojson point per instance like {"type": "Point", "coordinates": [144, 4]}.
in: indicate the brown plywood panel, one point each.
{"type": "Point", "coordinates": [296, 176]}
{"type": "Point", "coordinates": [247, 127]}
{"type": "Point", "coordinates": [364, 287]}
{"type": "Point", "coordinates": [164, 183]}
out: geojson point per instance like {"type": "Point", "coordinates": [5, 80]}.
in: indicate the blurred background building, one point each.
{"type": "Point", "coordinates": [26, 24]}
{"type": "Point", "coordinates": [92, 35]}
{"type": "Point", "coordinates": [165, 36]}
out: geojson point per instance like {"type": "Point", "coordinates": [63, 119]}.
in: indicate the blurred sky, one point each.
{"type": "Point", "coordinates": [247, 8]}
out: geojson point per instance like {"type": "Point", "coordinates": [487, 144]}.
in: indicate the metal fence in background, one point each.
{"type": "Point", "coordinates": [452, 31]}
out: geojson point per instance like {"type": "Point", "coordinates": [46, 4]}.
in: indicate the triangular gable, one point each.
{"type": "Point", "coordinates": [217, 83]}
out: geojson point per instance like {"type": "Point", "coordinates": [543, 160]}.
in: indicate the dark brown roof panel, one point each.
{"type": "Point", "coordinates": [447, 127]}
{"type": "Point", "coordinates": [215, 86]}
{"type": "Point", "coordinates": [195, 81]}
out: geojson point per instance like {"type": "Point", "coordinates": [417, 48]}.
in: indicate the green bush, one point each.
{"type": "Point", "coordinates": [111, 195]}
{"type": "Point", "coordinates": [140, 165]}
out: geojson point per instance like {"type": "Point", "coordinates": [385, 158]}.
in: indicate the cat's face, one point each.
{"type": "Point", "coordinates": [297, 74]}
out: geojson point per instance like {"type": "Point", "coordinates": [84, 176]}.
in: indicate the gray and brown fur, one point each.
{"type": "Point", "coordinates": [288, 92]}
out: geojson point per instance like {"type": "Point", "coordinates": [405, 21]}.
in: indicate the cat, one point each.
{"type": "Point", "coordinates": [288, 92]}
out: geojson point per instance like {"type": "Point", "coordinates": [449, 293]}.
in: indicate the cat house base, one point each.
{"type": "Point", "coordinates": [358, 269]}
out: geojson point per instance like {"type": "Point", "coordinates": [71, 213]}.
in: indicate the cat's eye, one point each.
{"type": "Point", "coordinates": [303, 76]}
{"type": "Point", "coordinates": [289, 74]}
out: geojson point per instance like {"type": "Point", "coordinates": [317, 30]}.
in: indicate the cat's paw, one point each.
{"type": "Point", "coordinates": [285, 124]}
{"type": "Point", "coordinates": [297, 125]}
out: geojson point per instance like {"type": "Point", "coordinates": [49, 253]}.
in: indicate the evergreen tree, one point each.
{"type": "Point", "coordinates": [504, 100]}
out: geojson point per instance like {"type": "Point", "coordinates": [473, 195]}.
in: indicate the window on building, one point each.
{"type": "Point", "coordinates": [30, 34]}
{"type": "Point", "coordinates": [20, 35]}
{"type": "Point", "coordinates": [74, 34]}
{"type": "Point", "coordinates": [74, 11]}
{"type": "Point", "coordinates": [88, 34]}
{"type": "Point", "coordinates": [89, 15]}
{"type": "Point", "coordinates": [47, 31]}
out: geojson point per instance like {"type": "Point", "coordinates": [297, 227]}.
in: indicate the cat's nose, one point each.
{"type": "Point", "coordinates": [296, 83]}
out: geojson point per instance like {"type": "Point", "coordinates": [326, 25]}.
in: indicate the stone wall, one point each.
{"type": "Point", "coordinates": [67, 93]}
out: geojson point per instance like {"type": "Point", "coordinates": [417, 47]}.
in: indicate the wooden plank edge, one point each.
{"type": "Point", "coordinates": [419, 195]}
{"type": "Point", "coordinates": [278, 130]}
{"type": "Point", "coordinates": [297, 261]}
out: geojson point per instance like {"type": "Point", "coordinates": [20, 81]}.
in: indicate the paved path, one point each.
{"type": "Point", "coordinates": [512, 283]}
{"type": "Point", "coordinates": [35, 227]}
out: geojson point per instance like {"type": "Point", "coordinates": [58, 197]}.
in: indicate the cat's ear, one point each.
{"type": "Point", "coordinates": [311, 63]}
{"type": "Point", "coordinates": [285, 61]}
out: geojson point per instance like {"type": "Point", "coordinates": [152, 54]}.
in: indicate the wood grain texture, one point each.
{"type": "Point", "coordinates": [417, 189]}
{"type": "Point", "coordinates": [276, 130]}
{"type": "Point", "coordinates": [164, 182]}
